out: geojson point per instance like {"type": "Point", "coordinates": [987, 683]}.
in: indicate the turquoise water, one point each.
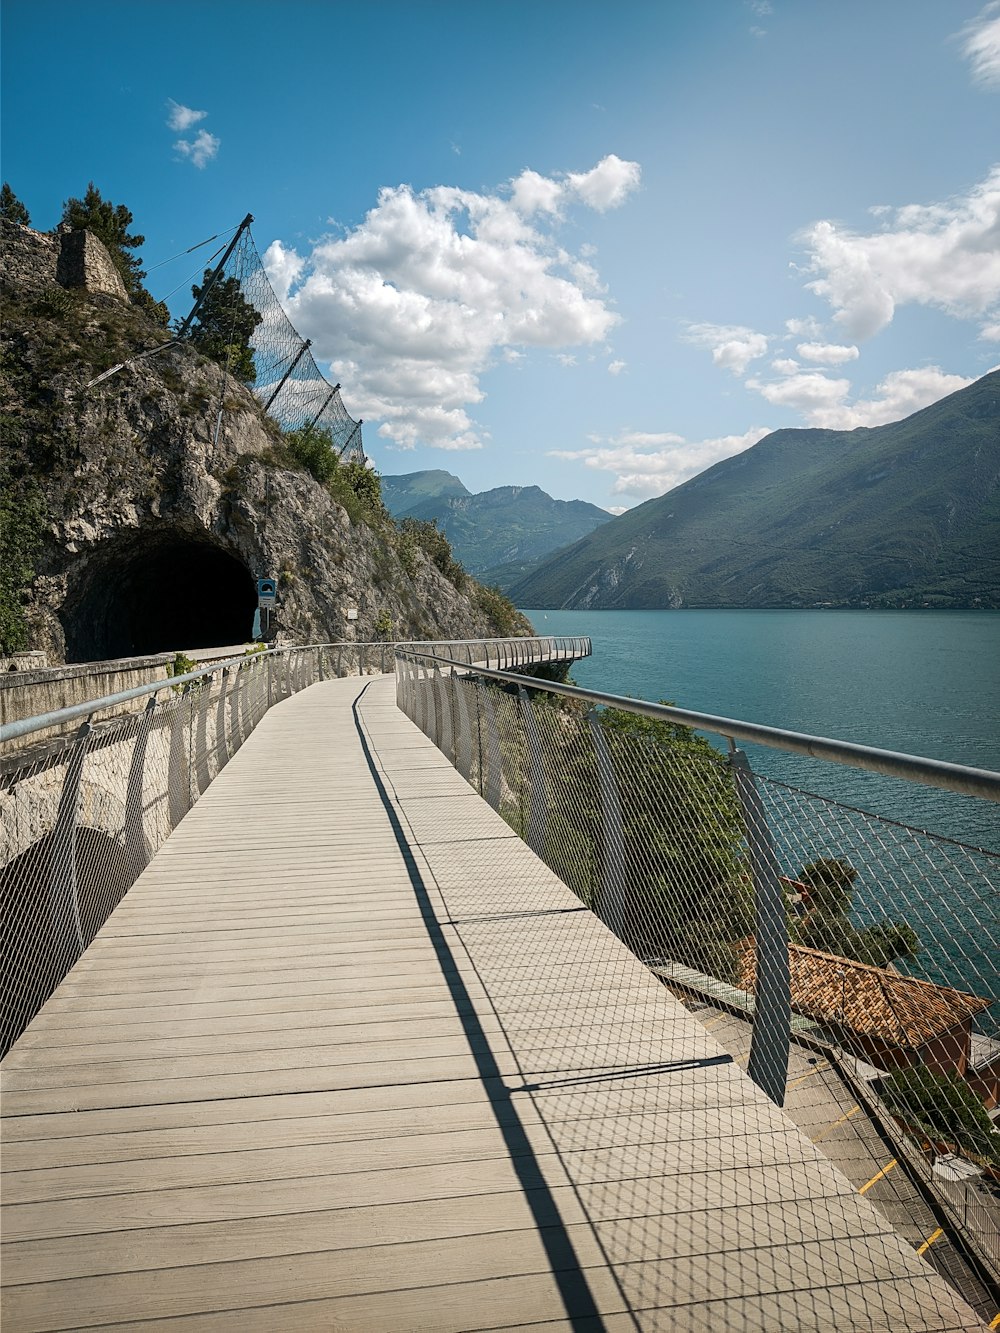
{"type": "Point", "coordinates": [919, 682]}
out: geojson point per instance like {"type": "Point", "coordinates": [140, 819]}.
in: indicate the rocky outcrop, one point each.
{"type": "Point", "coordinates": [166, 492]}
{"type": "Point", "coordinates": [84, 262]}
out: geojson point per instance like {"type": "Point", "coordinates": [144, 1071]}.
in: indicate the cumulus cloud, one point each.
{"type": "Point", "coordinates": [828, 354]}
{"type": "Point", "coordinates": [200, 150]}
{"type": "Point", "coordinates": [607, 185]}
{"type": "Point", "coordinates": [646, 464]}
{"type": "Point", "coordinates": [616, 367]}
{"type": "Point", "coordinates": [733, 346]}
{"type": "Point", "coordinates": [825, 402]}
{"type": "Point", "coordinates": [898, 395]}
{"type": "Point", "coordinates": [945, 255]}
{"type": "Point", "coordinates": [808, 391]}
{"type": "Point", "coordinates": [990, 332]}
{"type": "Point", "coordinates": [180, 118]}
{"type": "Point", "coordinates": [412, 306]}
{"type": "Point", "coordinates": [981, 46]}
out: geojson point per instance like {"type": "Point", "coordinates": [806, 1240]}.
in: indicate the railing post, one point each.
{"type": "Point", "coordinates": [64, 902]}
{"type": "Point", "coordinates": [463, 740]}
{"type": "Point", "coordinates": [134, 835]}
{"type": "Point", "coordinates": [534, 834]}
{"type": "Point", "coordinates": [494, 760]}
{"type": "Point", "coordinates": [178, 768]}
{"type": "Point", "coordinates": [609, 902]}
{"type": "Point", "coordinates": [319, 664]}
{"type": "Point", "coordinates": [772, 1019]}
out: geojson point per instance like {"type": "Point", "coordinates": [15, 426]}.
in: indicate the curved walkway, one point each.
{"type": "Point", "coordinates": [348, 1056]}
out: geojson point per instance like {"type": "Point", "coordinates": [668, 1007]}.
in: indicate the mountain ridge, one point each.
{"type": "Point", "coordinates": [902, 514]}
{"type": "Point", "coordinates": [499, 534]}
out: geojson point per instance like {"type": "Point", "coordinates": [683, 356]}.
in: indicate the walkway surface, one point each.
{"type": "Point", "coordinates": [348, 1056]}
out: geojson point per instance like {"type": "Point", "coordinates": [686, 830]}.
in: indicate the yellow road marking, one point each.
{"type": "Point", "coordinates": [930, 1240]}
{"type": "Point", "coordinates": [995, 1323]}
{"type": "Point", "coordinates": [818, 1069]}
{"type": "Point", "coordinates": [713, 1021]}
{"type": "Point", "coordinates": [878, 1176]}
{"type": "Point", "coordinates": [853, 1111]}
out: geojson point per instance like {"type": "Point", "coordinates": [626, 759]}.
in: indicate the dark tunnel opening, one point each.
{"type": "Point", "coordinates": [158, 592]}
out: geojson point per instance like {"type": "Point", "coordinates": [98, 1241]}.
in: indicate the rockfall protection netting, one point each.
{"type": "Point", "coordinates": [242, 324]}
{"type": "Point", "coordinates": [886, 1060]}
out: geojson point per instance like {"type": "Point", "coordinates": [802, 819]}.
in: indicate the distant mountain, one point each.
{"type": "Point", "coordinates": [906, 514]}
{"type": "Point", "coordinates": [498, 535]}
{"type": "Point", "coordinates": [401, 494]}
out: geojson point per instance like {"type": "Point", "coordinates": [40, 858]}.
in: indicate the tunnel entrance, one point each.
{"type": "Point", "coordinates": [158, 591]}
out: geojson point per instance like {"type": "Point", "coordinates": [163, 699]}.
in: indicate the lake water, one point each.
{"type": "Point", "coordinates": [924, 683]}
{"type": "Point", "coordinates": [919, 682]}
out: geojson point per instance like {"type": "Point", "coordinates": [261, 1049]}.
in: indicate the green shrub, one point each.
{"type": "Point", "coordinates": [943, 1107]}
{"type": "Point", "coordinates": [435, 545]}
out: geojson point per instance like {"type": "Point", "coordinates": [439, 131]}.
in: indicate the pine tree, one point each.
{"type": "Point", "coordinates": [11, 207]}
{"type": "Point", "coordinates": [225, 324]}
{"type": "Point", "coordinates": [110, 224]}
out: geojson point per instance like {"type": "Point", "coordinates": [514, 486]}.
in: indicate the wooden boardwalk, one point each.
{"type": "Point", "coordinates": [349, 1057]}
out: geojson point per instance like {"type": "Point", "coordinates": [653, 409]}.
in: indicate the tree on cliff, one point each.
{"type": "Point", "coordinates": [11, 207]}
{"type": "Point", "coordinates": [226, 323]}
{"type": "Point", "coordinates": [827, 923]}
{"type": "Point", "coordinates": [110, 224]}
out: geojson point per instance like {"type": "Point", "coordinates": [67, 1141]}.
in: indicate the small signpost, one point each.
{"type": "Point", "coordinates": [267, 599]}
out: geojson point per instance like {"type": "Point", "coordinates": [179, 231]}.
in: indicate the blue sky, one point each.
{"type": "Point", "coordinates": [591, 246]}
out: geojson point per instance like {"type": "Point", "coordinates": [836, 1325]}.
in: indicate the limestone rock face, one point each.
{"type": "Point", "coordinates": [167, 492]}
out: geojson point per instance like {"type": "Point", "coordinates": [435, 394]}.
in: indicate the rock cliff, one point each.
{"type": "Point", "coordinates": [161, 493]}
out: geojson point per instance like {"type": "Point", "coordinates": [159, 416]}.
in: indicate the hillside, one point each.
{"type": "Point", "coordinates": [906, 514]}
{"type": "Point", "coordinates": [136, 514]}
{"type": "Point", "coordinates": [498, 535]}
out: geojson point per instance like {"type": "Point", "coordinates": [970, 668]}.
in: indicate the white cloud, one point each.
{"type": "Point", "coordinates": [566, 359]}
{"type": "Point", "coordinates": [199, 150]}
{"type": "Point", "coordinates": [981, 46]}
{"type": "Point", "coordinates": [804, 328]}
{"type": "Point", "coordinates": [990, 332]}
{"type": "Point", "coordinates": [412, 306]}
{"type": "Point", "coordinates": [807, 392]}
{"type": "Point", "coordinates": [829, 354]}
{"type": "Point", "coordinates": [608, 184]}
{"type": "Point", "coordinates": [616, 367]}
{"type": "Point", "coordinates": [945, 255]}
{"type": "Point", "coordinates": [824, 402]}
{"type": "Point", "coordinates": [180, 118]}
{"type": "Point", "coordinates": [532, 193]}
{"type": "Point", "coordinates": [899, 394]}
{"type": "Point", "coordinates": [733, 346]}
{"type": "Point", "coordinates": [786, 366]}
{"type": "Point", "coordinates": [651, 464]}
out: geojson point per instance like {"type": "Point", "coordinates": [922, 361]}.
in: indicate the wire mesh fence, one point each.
{"type": "Point", "coordinates": [82, 813]}
{"type": "Point", "coordinates": [242, 324]}
{"type": "Point", "coordinates": [852, 961]}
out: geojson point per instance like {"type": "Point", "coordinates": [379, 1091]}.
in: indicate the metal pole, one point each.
{"type": "Point", "coordinates": [284, 379]}
{"type": "Point", "coordinates": [213, 277]}
{"type": "Point", "coordinates": [537, 803]}
{"type": "Point", "coordinates": [64, 903]}
{"type": "Point", "coordinates": [326, 403]}
{"type": "Point", "coordinates": [772, 1019]}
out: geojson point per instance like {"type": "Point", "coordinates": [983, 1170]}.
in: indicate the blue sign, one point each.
{"type": "Point", "coordinates": [267, 592]}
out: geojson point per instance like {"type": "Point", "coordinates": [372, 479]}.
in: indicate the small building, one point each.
{"type": "Point", "coordinates": [889, 1019]}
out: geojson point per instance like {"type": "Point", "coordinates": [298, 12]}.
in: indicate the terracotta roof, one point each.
{"type": "Point", "coordinates": [875, 1001]}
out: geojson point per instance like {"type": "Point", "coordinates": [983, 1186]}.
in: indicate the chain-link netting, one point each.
{"type": "Point", "coordinates": [241, 324]}
{"type": "Point", "coordinates": [740, 895]}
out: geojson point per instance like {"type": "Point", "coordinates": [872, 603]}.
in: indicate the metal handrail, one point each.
{"type": "Point", "coordinates": [931, 772]}
{"type": "Point", "coordinates": [28, 725]}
